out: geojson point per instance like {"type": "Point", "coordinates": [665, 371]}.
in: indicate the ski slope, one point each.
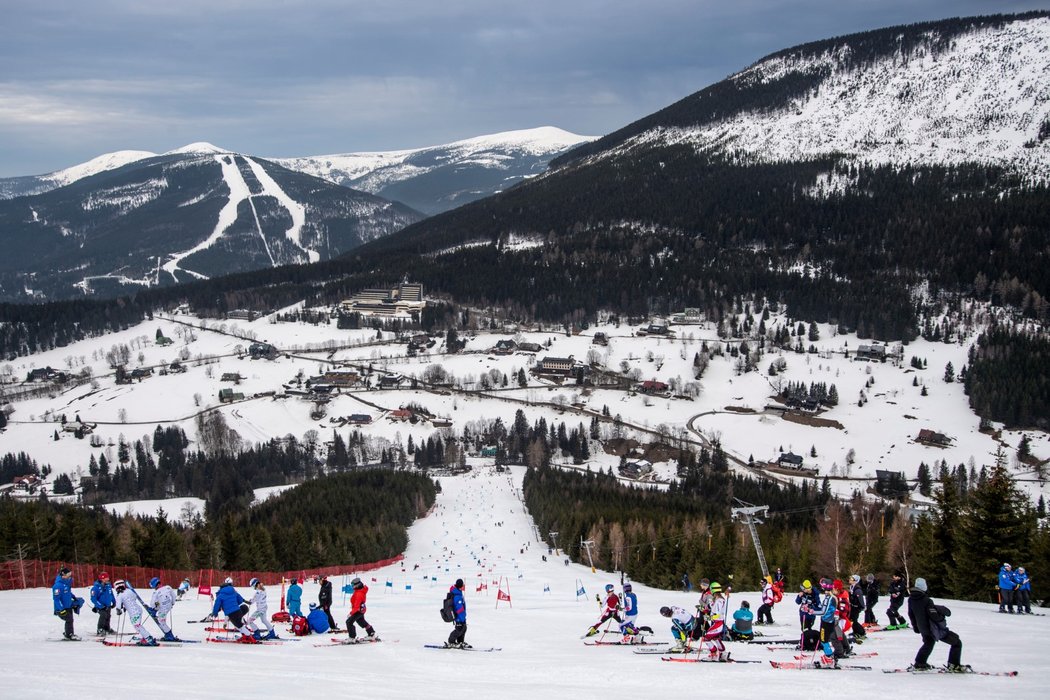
{"type": "Point", "coordinates": [539, 633]}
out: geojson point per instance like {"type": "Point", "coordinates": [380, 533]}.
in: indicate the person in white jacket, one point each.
{"type": "Point", "coordinates": [162, 603]}
{"type": "Point", "coordinates": [261, 608]}
{"type": "Point", "coordinates": [128, 602]}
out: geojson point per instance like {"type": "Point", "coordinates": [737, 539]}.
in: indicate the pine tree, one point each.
{"type": "Point", "coordinates": [925, 481]}
{"type": "Point", "coordinates": [935, 537]}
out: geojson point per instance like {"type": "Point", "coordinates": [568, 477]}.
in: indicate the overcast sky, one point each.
{"type": "Point", "coordinates": [304, 77]}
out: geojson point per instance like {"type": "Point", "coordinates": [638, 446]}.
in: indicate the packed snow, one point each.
{"type": "Point", "coordinates": [480, 532]}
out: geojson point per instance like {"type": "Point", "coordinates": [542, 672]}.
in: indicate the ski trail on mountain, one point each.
{"type": "Point", "coordinates": [295, 209]}
{"type": "Point", "coordinates": [238, 191]}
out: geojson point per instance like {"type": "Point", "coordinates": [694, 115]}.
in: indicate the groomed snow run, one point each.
{"type": "Point", "coordinates": [542, 654]}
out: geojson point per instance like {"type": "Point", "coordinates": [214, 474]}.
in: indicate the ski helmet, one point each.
{"type": "Point", "coordinates": [665, 611]}
{"type": "Point", "coordinates": [837, 584]}
{"type": "Point", "coordinates": [825, 584]}
{"type": "Point", "coordinates": [253, 583]}
{"type": "Point", "coordinates": [119, 585]}
{"type": "Point", "coordinates": [356, 583]}
{"type": "Point", "coordinates": [716, 587]}
{"type": "Point", "coordinates": [313, 606]}
{"type": "Point", "coordinates": [609, 588]}
{"type": "Point", "coordinates": [65, 570]}
{"type": "Point", "coordinates": [806, 585]}
{"type": "Point", "coordinates": [227, 581]}
{"type": "Point", "coordinates": [154, 582]}
{"type": "Point", "coordinates": [103, 576]}
{"type": "Point", "coordinates": [626, 588]}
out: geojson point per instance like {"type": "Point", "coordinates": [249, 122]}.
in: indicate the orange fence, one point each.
{"type": "Point", "coordinates": [33, 573]}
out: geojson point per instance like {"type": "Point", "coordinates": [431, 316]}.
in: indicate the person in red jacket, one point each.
{"type": "Point", "coordinates": [611, 611]}
{"type": "Point", "coordinates": [357, 610]}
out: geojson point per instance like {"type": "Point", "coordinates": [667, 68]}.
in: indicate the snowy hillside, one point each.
{"type": "Point", "coordinates": [479, 532]}
{"type": "Point", "coordinates": [982, 97]}
{"type": "Point", "coordinates": [440, 177]}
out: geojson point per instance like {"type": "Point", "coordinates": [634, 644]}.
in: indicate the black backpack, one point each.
{"type": "Point", "coordinates": [448, 614]}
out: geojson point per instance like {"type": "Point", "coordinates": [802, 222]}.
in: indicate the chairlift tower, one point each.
{"type": "Point", "coordinates": [750, 516]}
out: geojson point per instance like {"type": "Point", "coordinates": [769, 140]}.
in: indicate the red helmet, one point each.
{"type": "Point", "coordinates": [103, 576]}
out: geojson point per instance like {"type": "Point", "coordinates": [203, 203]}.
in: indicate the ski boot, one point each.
{"type": "Point", "coordinates": [958, 668]}
{"type": "Point", "coordinates": [272, 634]}
{"type": "Point", "coordinates": [920, 668]}
{"type": "Point", "coordinates": [678, 648]}
{"type": "Point", "coordinates": [372, 636]}
{"type": "Point", "coordinates": [248, 639]}
{"type": "Point", "coordinates": [825, 661]}
{"type": "Point", "coordinates": [464, 645]}
{"type": "Point", "coordinates": [147, 642]}
{"type": "Point", "coordinates": [170, 637]}
{"type": "Point", "coordinates": [71, 637]}
{"type": "Point", "coordinates": [591, 631]}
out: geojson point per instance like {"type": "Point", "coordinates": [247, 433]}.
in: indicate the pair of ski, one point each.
{"type": "Point", "coordinates": [945, 671]}
{"type": "Point", "coordinates": [808, 665]}
{"type": "Point", "coordinates": [156, 643]}
{"type": "Point", "coordinates": [442, 646]}
{"type": "Point", "coordinates": [621, 643]}
{"type": "Point", "coordinates": [342, 642]}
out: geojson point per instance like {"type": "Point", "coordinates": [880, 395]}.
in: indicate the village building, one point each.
{"type": "Point", "coordinates": [560, 366]}
{"type": "Point", "coordinates": [930, 437]}
{"type": "Point", "coordinates": [789, 460]}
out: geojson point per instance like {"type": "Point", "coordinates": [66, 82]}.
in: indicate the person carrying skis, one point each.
{"type": "Point", "coordinates": [610, 612]}
{"type": "Point", "coordinates": [743, 619]}
{"type": "Point", "coordinates": [294, 599]}
{"type": "Point", "coordinates": [184, 588]}
{"type": "Point", "coordinates": [928, 620]}
{"type": "Point", "coordinates": [871, 599]}
{"type": "Point", "coordinates": [161, 604]}
{"type": "Point", "coordinates": [716, 627]}
{"type": "Point", "coordinates": [128, 601]}
{"type": "Point", "coordinates": [896, 591]}
{"type": "Point", "coordinates": [1023, 592]}
{"type": "Point", "coordinates": [457, 638]}
{"type": "Point", "coordinates": [808, 601]}
{"type": "Point", "coordinates": [357, 610]}
{"type": "Point", "coordinates": [66, 604]}
{"type": "Point", "coordinates": [102, 602]}
{"type": "Point", "coordinates": [317, 619]}
{"type": "Point", "coordinates": [229, 601]}
{"type": "Point", "coordinates": [261, 608]}
{"type": "Point", "coordinates": [682, 626]}
{"type": "Point", "coordinates": [324, 601]}
{"type": "Point", "coordinates": [1007, 586]}
{"type": "Point", "coordinates": [765, 610]}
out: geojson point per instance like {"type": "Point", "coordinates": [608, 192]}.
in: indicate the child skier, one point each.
{"type": "Point", "coordinates": [66, 604]}
{"type": "Point", "coordinates": [317, 619]}
{"type": "Point", "coordinates": [161, 604]}
{"type": "Point", "coordinates": [830, 632]}
{"type": "Point", "coordinates": [229, 601]}
{"type": "Point", "coordinates": [128, 602]}
{"type": "Point", "coordinates": [682, 626]}
{"type": "Point", "coordinates": [716, 624]}
{"type": "Point", "coordinates": [628, 628]}
{"type": "Point", "coordinates": [808, 601]}
{"type": "Point", "coordinates": [743, 619]}
{"type": "Point", "coordinates": [610, 612]}
{"type": "Point", "coordinates": [102, 602]}
{"type": "Point", "coordinates": [261, 607]}
{"type": "Point", "coordinates": [184, 588]}
{"type": "Point", "coordinates": [294, 599]}
{"type": "Point", "coordinates": [357, 610]}
{"type": "Point", "coordinates": [856, 607]}
{"type": "Point", "coordinates": [765, 611]}
{"type": "Point", "coordinates": [896, 591]}
{"type": "Point", "coordinates": [871, 599]}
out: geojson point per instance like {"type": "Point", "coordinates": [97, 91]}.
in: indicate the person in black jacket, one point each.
{"type": "Point", "coordinates": [928, 620]}
{"type": "Point", "coordinates": [324, 601]}
{"type": "Point", "coordinates": [856, 606]}
{"type": "Point", "coordinates": [871, 599]}
{"type": "Point", "coordinates": [896, 591]}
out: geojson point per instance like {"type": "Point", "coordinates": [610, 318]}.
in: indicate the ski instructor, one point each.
{"type": "Point", "coordinates": [459, 610]}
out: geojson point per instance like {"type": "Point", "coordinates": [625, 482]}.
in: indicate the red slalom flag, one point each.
{"type": "Point", "coordinates": [500, 595]}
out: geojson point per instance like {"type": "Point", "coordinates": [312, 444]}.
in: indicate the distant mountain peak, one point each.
{"type": "Point", "coordinates": [198, 148]}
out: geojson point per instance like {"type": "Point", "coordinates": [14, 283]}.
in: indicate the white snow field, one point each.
{"type": "Point", "coordinates": [539, 633]}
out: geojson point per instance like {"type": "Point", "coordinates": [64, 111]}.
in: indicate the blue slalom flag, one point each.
{"type": "Point", "coordinates": [389, 584]}
{"type": "Point", "coordinates": [581, 592]}
{"type": "Point", "coordinates": [408, 586]}
{"type": "Point", "coordinates": [547, 589]}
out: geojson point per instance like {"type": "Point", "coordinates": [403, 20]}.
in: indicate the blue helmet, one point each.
{"type": "Point", "coordinates": [609, 588]}
{"type": "Point", "coordinates": [154, 582]}
{"type": "Point", "coordinates": [626, 588]}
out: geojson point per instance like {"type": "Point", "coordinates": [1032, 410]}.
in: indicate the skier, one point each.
{"type": "Point", "coordinates": [856, 606]}
{"type": "Point", "coordinates": [294, 599]}
{"type": "Point", "coordinates": [66, 604]}
{"type": "Point", "coordinates": [317, 619]}
{"type": "Point", "coordinates": [357, 610]}
{"type": "Point", "coordinates": [927, 619]}
{"type": "Point", "coordinates": [1007, 586]}
{"type": "Point", "coordinates": [610, 612]}
{"type": "Point", "coordinates": [628, 628]}
{"type": "Point", "coordinates": [682, 626]}
{"type": "Point", "coordinates": [830, 632]}
{"type": "Point", "coordinates": [716, 624]}
{"type": "Point", "coordinates": [228, 600]}
{"type": "Point", "coordinates": [765, 611]}
{"type": "Point", "coordinates": [128, 602]}
{"type": "Point", "coordinates": [324, 601]}
{"type": "Point", "coordinates": [102, 602]}
{"type": "Point", "coordinates": [161, 604]}
{"type": "Point", "coordinates": [703, 607]}
{"type": "Point", "coordinates": [896, 591]}
{"type": "Point", "coordinates": [456, 639]}
{"type": "Point", "coordinates": [184, 588]}
{"type": "Point", "coordinates": [1023, 592]}
{"type": "Point", "coordinates": [259, 601]}
{"type": "Point", "coordinates": [743, 619]}
{"type": "Point", "coordinates": [871, 599]}
{"type": "Point", "coordinates": [808, 601]}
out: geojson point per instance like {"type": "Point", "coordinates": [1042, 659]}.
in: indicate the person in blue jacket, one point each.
{"type": "Point", "coordinates": [66, 604]}
{"type": "Point", "coordinates": [229, 601]}
{"type": "Point", "coordinates": [808, 602]}
{"type": "Point", "coordinates": [317, 619]}
{"type": "Point", "coordinates": [459, 609]}
{"type": "Point", "coordinates": [102, 602]}
{"type": "Point", "coordinates": [1024, 591]}
{"type": "Point", "coordinates": [1007, 586]}
{"type": "Point", "coordinates": [743, 621]}
{"type": "Point", "coordinates": [294, 599]}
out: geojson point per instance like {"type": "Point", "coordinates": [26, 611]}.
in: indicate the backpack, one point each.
{"type": "Point", "coordinates": [936, 615]}
{"type": "Point", "coordinates": [448, 614]}
{"type": "Point", "coordinates": [810, 640]}
{"type": "Point", "coordinates": [300, 627]}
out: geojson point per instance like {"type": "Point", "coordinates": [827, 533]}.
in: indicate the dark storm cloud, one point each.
{"type": "Point", "coordinates": [280, 77]}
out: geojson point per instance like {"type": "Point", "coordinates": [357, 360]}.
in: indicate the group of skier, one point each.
{"type": "Point", "coordinates": [1015, 588]}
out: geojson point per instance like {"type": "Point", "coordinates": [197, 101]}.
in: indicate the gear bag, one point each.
{"type": "Point", "coordinates": [300, 627]}
{"type": "Point", "coordinates": [448, 613]}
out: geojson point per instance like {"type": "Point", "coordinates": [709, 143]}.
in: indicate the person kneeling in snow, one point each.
{"type": "Point", "coordinates": [743, 619]}
{"type": "Point", "coordinates": [128, 602]}
{"type": "Point", "coordinates": [317, 619]}
{"type": "Point", "coordinates": [228, 600]}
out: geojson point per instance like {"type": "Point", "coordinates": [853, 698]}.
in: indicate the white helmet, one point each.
{"type": "Point", "coordinates": [228, 581]}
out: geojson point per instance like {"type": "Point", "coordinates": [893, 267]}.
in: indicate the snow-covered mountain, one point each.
{"type": "Point", "coordinates": [192, 213]}
{"type": "Point", "coordinates": [437, 178]}
{"type": "Point", "coordinates": [958, 91]}
{"type": "Point", "coordinates": [37, 184]}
